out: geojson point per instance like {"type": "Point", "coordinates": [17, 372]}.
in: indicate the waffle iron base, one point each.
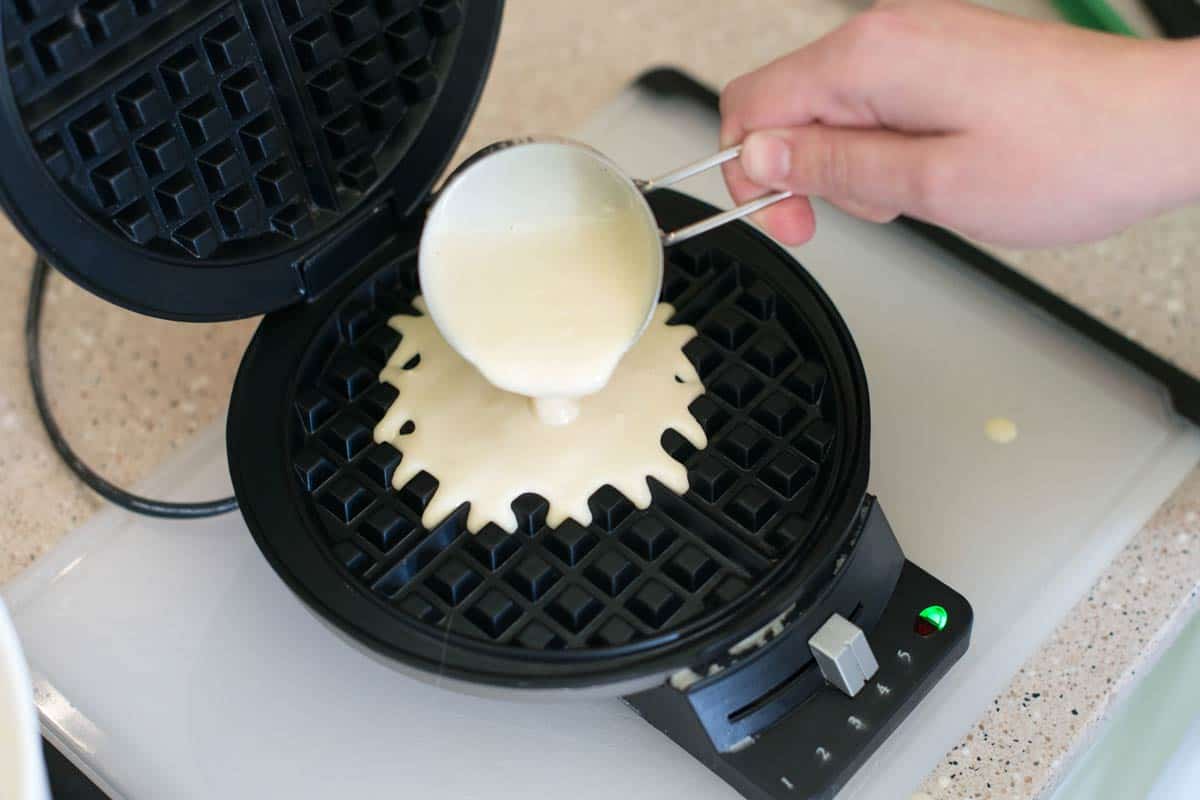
{"type": "Point", "coordinates": [776, 528]}
{"type": "Point", "coordinates": [609, 607]}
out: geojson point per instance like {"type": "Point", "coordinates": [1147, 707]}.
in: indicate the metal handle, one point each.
{"type": "Point", "coordinates": [717, 220]}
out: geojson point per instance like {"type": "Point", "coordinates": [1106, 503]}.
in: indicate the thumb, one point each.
{"type": "Point", "coordinates": [858, 167]}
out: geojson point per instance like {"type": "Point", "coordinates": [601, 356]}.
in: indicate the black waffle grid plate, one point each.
{"type": "Point", "coordinates": [183, 137]}
{"type": "Point", "coordinates": [784, 435]}
{"type": "Point", "coordinates": [189, 146]}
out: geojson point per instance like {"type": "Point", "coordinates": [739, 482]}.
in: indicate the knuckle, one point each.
{"type": "Point", "coordinates": [876, 27]}
{"type": "Point", "coordinates": [866, 41]}
{"type": "Point", "coordinates": [731, 107]}
{"type": "Point", "coordinates": [877, 36]}
{"type": "Point", "coordinates": [731, 93]}
{"type": "Point", "coordinates": [903, 6]}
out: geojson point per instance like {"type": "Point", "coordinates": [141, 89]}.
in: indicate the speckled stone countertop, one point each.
{"type": "Point", "coordinates": [130, 390]}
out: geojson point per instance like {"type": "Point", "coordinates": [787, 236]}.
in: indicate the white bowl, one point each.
{"type": "Point", "coordinates": [22, 770]}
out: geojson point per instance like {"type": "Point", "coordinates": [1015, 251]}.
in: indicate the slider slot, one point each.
{"type": "Point", "coordinates": [783, 687]}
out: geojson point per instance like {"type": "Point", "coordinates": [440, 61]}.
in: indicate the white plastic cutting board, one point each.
{"type": "Point", "coordinates": [171, 662]}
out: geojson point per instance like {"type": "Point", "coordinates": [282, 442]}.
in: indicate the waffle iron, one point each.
{"type": "Point", "coordinates": [214, 160]}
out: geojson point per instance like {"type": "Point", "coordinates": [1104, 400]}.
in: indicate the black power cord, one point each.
{"type": "Point", "coordinates": [114, 494]}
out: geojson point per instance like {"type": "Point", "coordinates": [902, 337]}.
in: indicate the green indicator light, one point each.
{"type": "Point", "coordinates": [935, 616]}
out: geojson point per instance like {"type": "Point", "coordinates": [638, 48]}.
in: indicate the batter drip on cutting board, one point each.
{"type": "Point", "coordinates": [486, 447]}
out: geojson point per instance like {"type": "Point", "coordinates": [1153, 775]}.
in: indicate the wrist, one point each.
{"type": "Point", "coordinates": [1179, 121]}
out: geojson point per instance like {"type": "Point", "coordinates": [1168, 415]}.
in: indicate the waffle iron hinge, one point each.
{"type": "Point", "coordinates": [772, 726]}
{"type": "Point", "coordinates": [364, 234]}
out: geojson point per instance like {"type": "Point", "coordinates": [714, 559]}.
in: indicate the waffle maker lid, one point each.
{"type": "Point", "coordinates": [207, 160]}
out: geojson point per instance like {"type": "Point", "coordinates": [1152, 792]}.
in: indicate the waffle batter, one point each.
{"type": "Point", "coordinates": [486, 448]}
{"type": "Point", "coordinates": [544, 301]}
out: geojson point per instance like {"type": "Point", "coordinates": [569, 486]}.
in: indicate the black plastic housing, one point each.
{"type": "Point", "coordinates": [772, 727]}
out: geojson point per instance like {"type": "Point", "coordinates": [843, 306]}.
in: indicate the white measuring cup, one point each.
{"type": "Point", "coordinates": [514, 184]}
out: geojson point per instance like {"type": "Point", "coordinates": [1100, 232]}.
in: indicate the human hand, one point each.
{"type": "Point", "coordinates": [1010, 131]}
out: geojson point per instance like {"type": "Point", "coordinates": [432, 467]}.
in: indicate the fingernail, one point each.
{"type": "Point", "coordinates": [766, 158]}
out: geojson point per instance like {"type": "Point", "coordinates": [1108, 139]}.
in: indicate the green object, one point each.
{"type": "Point", "coordinates": [1145, 746]}
{"type": "Point", "coordinates": [1095, 14]}
{"type": "Point", "coordinates": [935, 616]}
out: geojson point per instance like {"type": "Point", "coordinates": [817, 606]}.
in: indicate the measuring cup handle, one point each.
{"type": "Point", "coordinates": [717, 220]}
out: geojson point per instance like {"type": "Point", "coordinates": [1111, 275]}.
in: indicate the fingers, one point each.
{"type": "Point", "coordinates": [790, 221]}
{"type": "Point", "coordinates": [840, 103]}
{"type": "Point", "coordinates": [741, 188]}
{"type": "Point", "coordinates": [872, 173]}
{"type": "Point", "coordinates": [812, 85]}
{"type": "Point", "coordinates": [903, 65]}
{"type": "Point", "coordinates": [807, 85]}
